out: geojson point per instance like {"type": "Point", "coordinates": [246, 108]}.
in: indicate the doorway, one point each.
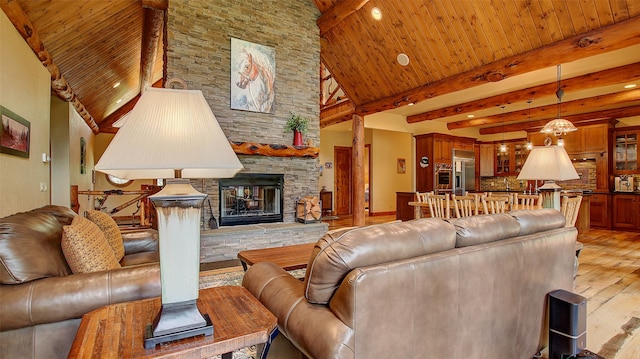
{"type": "Point", "coordinates": [343, 180]}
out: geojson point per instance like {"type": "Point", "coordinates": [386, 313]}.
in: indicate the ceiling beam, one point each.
{"type": "Point", "coordinates": [551, 111]}
{"type": "Point", "coordinates": [59, 84]}
{"type": "Point", "coordinates": [340, 11]}
{"type": "Point", "coordinates": [613, 37]}
{"type": "Point", "coordinates": [580, 119]}
{"type": "Point", "coordinates": [618, 75]}
{"type": "Point", "coordinates": [153, 28]}
{"type": "Point", "coordinates": [161, 5]}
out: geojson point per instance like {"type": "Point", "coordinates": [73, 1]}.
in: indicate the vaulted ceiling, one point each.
{"type": "Point", "coordinates": [465, 57]}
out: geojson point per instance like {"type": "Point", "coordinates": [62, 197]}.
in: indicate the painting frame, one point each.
{"type": "Point", "coordinates": [15, 134]}
{"type": "Point", "coordinates": [252, 77]}
{"type": "Point", "coordinates": [402, 165]}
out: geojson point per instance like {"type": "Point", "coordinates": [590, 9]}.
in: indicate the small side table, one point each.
{"type": "Point", "coordinates": [117, 330]}
{"type": "Point", "coordinates": [326, 198]}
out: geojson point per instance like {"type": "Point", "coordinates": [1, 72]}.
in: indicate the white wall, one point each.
{"type": "Point", "coordinates": [25, 89]}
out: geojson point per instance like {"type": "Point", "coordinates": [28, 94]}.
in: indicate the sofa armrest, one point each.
{"type": "Point", "coordinates": [312, 328]}
{"type": "Point", "coordinates": [140, 240]}
{"type": "Point", "coordinates": [60, 298]}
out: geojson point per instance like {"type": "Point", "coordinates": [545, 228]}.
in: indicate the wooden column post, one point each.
{"type": "Point", "coordinates": [358, 170]}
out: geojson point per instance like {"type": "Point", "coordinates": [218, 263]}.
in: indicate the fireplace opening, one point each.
{"type": "Point", "coordinates": [251, 198]}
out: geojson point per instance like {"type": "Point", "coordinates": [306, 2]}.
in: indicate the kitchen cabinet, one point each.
{"type": "Point", "coordinates": [598, 211]}
{"type": "Point", "coordinates": [486, 160]}
{"type": "Point", "coordinates": [625, 212]}
{"type": "Point", "coordinates": [625, 149]}
{"type": "Point", "coordinates": [510, 162]}
{"type": "Point", "coordinates": [591, 138]}
{"type": "Point", "coordinates": [438, 149]}
{"type": "Point", "coordinates": [404, 212]}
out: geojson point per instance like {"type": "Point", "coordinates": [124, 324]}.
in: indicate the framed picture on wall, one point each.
{"type": "Point", "coordinates": [253, 77]}
{"type": "Point", "coordinates": [402, 165]}
{"type": "Point", "coordinates": [15, 134]}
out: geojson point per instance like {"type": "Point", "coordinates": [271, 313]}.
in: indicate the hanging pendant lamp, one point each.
{"type": "Point", "coordinates": [558, 126]}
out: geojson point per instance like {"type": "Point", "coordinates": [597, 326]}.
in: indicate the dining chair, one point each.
{"type": "Point", "coordinates": [439, 206]}
{"type": "Point", "coordinates": [570, 206]}
{"type": "Point", "coordinates": [527, 201]}
{"type": "Point", "coordinates": [421, 197]}
{"type": "Point", "coordinates": [466, 205]}
{"type": "Point", "coordinates": [495, 204]}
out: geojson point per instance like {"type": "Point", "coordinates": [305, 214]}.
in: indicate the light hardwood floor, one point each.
{"type": "Point", "coordinates": [608, 276]}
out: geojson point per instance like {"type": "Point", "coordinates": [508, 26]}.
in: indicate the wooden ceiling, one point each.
{"type": "Point", "coordinates": [456, 45]}
{"type": "Point", "coordinates": [453, 46]}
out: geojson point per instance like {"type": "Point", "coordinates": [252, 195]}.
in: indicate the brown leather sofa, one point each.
{"type": "Point", "coordinates": [40, 309]}
{"type": "Point", "coordinates": [473, 287]}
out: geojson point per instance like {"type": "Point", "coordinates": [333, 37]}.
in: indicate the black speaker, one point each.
{"type": "Point", "coordinates": [567, 324]}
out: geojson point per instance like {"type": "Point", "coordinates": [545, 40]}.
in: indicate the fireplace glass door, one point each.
{"type": "Point", "coordinates": [251, 199]}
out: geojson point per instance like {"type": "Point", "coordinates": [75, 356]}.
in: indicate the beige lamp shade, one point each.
{"type": "Point", "coordinates": [169, 130]}
{"type": "Point", "coordinates": [550, 163]}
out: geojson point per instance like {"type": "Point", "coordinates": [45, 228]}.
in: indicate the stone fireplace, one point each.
{"type": "Point", "coordinates": [251, 198]}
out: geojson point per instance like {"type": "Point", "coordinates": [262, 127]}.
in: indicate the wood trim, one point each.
{"type": "Point", "coordinates": [337, 113]}
{"type": "Point", "coordinates": [550, 111]}
{"type": "Point", "coordinates": [59, 84]}
{"type": "Point", "coordinates": [337, 13]}
{"type": "Point", "coordinates": [578, 120]}
{"type": "Point", "coordinates": [622, 74]}
{"type": "Point", "coordinates": [613, 37]}
{"type": "Point", "coordinates": [262, 149]}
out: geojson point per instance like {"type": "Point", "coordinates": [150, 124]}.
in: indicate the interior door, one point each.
{"type": "Point", "coordinates": [342, 180]}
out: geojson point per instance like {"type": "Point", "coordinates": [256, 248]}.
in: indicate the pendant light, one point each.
{"type": "Point", "coordinates": [529, 144]}
{"type": "Point", "coordinates": [503, 146]}
{"type": "Point", "coordinates": [558, 126]}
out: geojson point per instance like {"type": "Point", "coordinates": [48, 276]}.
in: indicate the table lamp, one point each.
{"type": "Point", "coordinates": [549, 163]}
{"type": "Point", "coordinates": [173, 134]}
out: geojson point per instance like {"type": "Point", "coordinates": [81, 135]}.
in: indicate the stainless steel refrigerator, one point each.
{"type": "Point", "coordinates": [464, 172]}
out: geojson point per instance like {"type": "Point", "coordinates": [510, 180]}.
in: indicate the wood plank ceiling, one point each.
{"type": "Point", "coordinates": [452, 45]}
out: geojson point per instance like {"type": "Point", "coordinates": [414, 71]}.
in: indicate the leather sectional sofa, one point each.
{"type": "Point", "coordinates": [473, 287]}
{"type": "Point", "coordinates": [42, 301]}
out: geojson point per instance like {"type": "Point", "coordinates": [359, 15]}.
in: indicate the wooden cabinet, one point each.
{"type": "Point", "coordinates": [510, 161]}
{"type": "Point", "coordinates": [591, 138]}
{"type": "Point", "coordinates": [326, 198]}
{"type": "Point", "coordinates": [486, 160]}
{"type": "Point", "coordinates": [438, 149]}
{"type": "Point", "coordinates": [404, 212]}
{"type": "Point", "coordinates": [598, 211]}
{"type": "Point", "coordinates": [625, 152]}
{"type": "Point", "coordinates": [625, 212]}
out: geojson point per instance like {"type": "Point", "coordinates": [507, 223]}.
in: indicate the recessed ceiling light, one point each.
{"type": "Point", "coordinates": [410, 104]}
{"type": "Point", "coordinates": [376, 13]}
{"type": "Point", "coordinates": [403, 59]}
{"type": "Point", "coordinates": [471, 116]}
{"type": "Point", "coordinates": [630, 86]}
{"type": "Point", "coordinates": [116, 84]}
{"type": "Point", "coordinates": [119, 100]}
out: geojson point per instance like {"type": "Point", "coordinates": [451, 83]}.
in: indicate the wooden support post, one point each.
{"type": "Point", "coordinates": [358, 170]}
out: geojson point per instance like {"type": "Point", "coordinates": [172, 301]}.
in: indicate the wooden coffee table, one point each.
{"type": "Point", "coordinates": [288, 257]}
{"type": "Point", "coordinates": [117, 330]}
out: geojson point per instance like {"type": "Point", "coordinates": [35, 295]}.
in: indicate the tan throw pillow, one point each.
{"type": "Point", "coordinates": [110, 229]}
{"type": "Point", "coordinates": [85, 247]}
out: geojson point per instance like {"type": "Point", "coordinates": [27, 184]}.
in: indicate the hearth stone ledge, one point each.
{"type": "Point", "coordinates": [224, 243]}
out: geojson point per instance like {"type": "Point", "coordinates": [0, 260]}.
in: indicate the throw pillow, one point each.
{"type": "Point", "coordinates": [85, 247]}
{"type": "Point", "coordinates": [110, 229]}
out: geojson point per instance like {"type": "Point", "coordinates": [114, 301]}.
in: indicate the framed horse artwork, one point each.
{"type": "Point", "coordinates": [253, 76]}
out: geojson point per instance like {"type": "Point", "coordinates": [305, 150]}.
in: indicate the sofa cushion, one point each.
{"type": "Point", "coordinates": [539, 220]}
{"type": "Point", "coordinates": [110, 229]}
{"type": "Point", "coordinates": [86, 248]}
{"type": "Point", "coordinates": [485, 228]}
{"type": "Point", "coordinates": [30, 248]}
{"type": "Point", "coordinates": [338, 252]}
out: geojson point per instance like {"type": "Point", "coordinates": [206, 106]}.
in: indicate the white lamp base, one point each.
{"type": "Point", "coordinates": [550, 195]}
{"type": "Point", "coordinates": [178, 206]}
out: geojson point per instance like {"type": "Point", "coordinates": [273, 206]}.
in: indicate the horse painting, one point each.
{"type": "Point", "coordinates": [253, 74]}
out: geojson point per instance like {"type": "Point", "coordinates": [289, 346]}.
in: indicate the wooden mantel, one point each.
{"type": "Point", "coordinates": [263, 149]}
